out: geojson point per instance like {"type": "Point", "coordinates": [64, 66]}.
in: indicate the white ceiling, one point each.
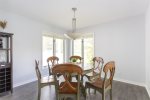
{"type": "Point", "coordinates": [89, 13]}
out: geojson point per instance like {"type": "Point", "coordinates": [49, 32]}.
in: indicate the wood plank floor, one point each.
{"type": "Point", "coordinates": [121, 91]}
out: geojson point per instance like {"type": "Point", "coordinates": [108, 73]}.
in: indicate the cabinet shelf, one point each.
{"type": "Point", "coordinates": [5, 49]}
{"type": "Point", "coordinates": [6, 62]}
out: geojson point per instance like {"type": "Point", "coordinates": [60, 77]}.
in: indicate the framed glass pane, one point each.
{"type": "Point", "coordinates": [47, 48]}
{"type": "Point", "coordinates": [4, 42]}
{"type": "Point", "coordinates": [3, 56]}
{"type": "Point", "coordinates": [59, 50]}
{"type": "Point", "coordinates": [88, 52]}
{"type": "Point", "coordinates": [77, 47]}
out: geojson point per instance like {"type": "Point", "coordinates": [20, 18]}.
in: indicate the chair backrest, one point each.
{"type": "Point", "coordinates": [109, 68]}
{"type": "Point", "coordinates": [98, 65]}
{"type": "Point", "coordinates": [67, 70]}
{"type": "Point", "coordinates": [53, 59]}
{"type": "Point", "coordinates": [38, 74]}
{"type": "Point", "coordinates": [76, 59]}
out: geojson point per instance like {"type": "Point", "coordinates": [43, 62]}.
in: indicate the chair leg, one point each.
{"type": "Point", "coordinates": [85, 98]}
{"type": "Point", "coordinates": [110, 94]}
{"type": "Point", "coordinates": [94, 91]}
{"type": "Point", "coordinates": [56, 92]}
{"type": "Point", "coordinates": [89, 90]}
{"type": "Point", "coordinates": [78, 98]}
{"type": "Point", "coordinates": [103, 96]}
{"type": "Point", "coordinates": [39, 92]}
{"type": "Point", "coordinates": [57, 96]}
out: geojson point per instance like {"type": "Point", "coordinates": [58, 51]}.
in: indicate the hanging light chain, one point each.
{"type": "Point", "coordinates": [74, 21]}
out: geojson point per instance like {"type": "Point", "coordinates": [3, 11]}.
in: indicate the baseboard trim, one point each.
{"type": "Point", "coordinates": [117, 79]}
{"type": "Point", "coordinates": [148, 90]}
{"type": "Point", "coordinates": [130, 82]}
{"type": "Point", "coordinates": [23, 83]}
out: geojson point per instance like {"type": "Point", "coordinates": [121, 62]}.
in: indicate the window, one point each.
{"type": "Point", "coordinates": [63, 48]}
{"type": "Point", "coordinates": [59, 52]}
{"type": "Point", "coordinates": [77, 47]}
{"type": "Point", "coordinates": [85, 48]}
{"type": "Point", "coordinates": [47, 48]}
{"type": "Point", "coordinates": [88, 52]}
{"type": "Point", "coordinates": [52, 46]}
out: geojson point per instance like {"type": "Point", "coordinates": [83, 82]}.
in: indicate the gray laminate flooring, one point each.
{"type": "Point", "coordinates": [121, 91]}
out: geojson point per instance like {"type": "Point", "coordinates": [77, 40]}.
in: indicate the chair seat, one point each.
{"type": "Point", "coordinates": [67, 89]}
{"type": "Point", "coordinates": [98, 83]}
{"type": "Point", "coordinates": [92, 76]}
{"type": "Point", "coordinates": [87, 71]}
{"type": "Point", "coordinates": [89, 74]}
{"type": "Point", "coordinates": [47, 79]}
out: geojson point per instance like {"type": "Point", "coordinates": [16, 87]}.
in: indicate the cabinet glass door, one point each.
{"type": "Point", "coordinates": [5, 49]}
{"type": "Point", "coordinates": [3, 56]}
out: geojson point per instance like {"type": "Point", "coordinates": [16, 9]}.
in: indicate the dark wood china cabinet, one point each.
{"type": "Point", "coordinates": [6, 79]}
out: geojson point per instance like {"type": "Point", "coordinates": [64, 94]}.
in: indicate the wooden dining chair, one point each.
{"type": "Point", "coordinates": [42, 81]}
{"type": "Point", "coordinates": [105, 84]}
{"type": "Point", "coordinates": [67, 88]}
{"type": "Point", "coordinates": [95, 71]}
{"type": "Point", "coordinates": [51, 61]}
{"type": "Point", "coordinates": [76, 59]}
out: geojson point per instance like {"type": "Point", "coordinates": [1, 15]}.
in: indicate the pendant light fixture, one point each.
{"type": "Point", "coordinates": [73, 34]}
{"type": "Point", "coordinates": [74, 21]}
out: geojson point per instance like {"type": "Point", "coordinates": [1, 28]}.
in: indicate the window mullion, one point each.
{"type": "Point", "coordinates": [72, 45]}
{"type": "Point", "coordinates": [54, 46]}
{"type": "Point", "coordinates": [64, 51]}
{"type": "Point", "coordinates": [82, 51]}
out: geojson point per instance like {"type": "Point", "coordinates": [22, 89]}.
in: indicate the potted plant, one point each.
{"type": "Point", "coordinates": [74, 60]}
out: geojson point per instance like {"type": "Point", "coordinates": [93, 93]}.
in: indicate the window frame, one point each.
{"type": "Point", "coordinates": [54, 45]}
{"type": "Point", "coordinates": [82, 47]}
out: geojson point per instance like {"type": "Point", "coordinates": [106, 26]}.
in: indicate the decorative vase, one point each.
{"type": "Point", "coordinates": [3, 25]}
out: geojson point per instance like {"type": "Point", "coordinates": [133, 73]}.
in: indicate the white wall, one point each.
{"type": "Point", "coordinates": [27, 44]}
{"type": "Point", "coordinates": [124, 42]}
{"type": "Point", "coordinates": [148, 47]}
